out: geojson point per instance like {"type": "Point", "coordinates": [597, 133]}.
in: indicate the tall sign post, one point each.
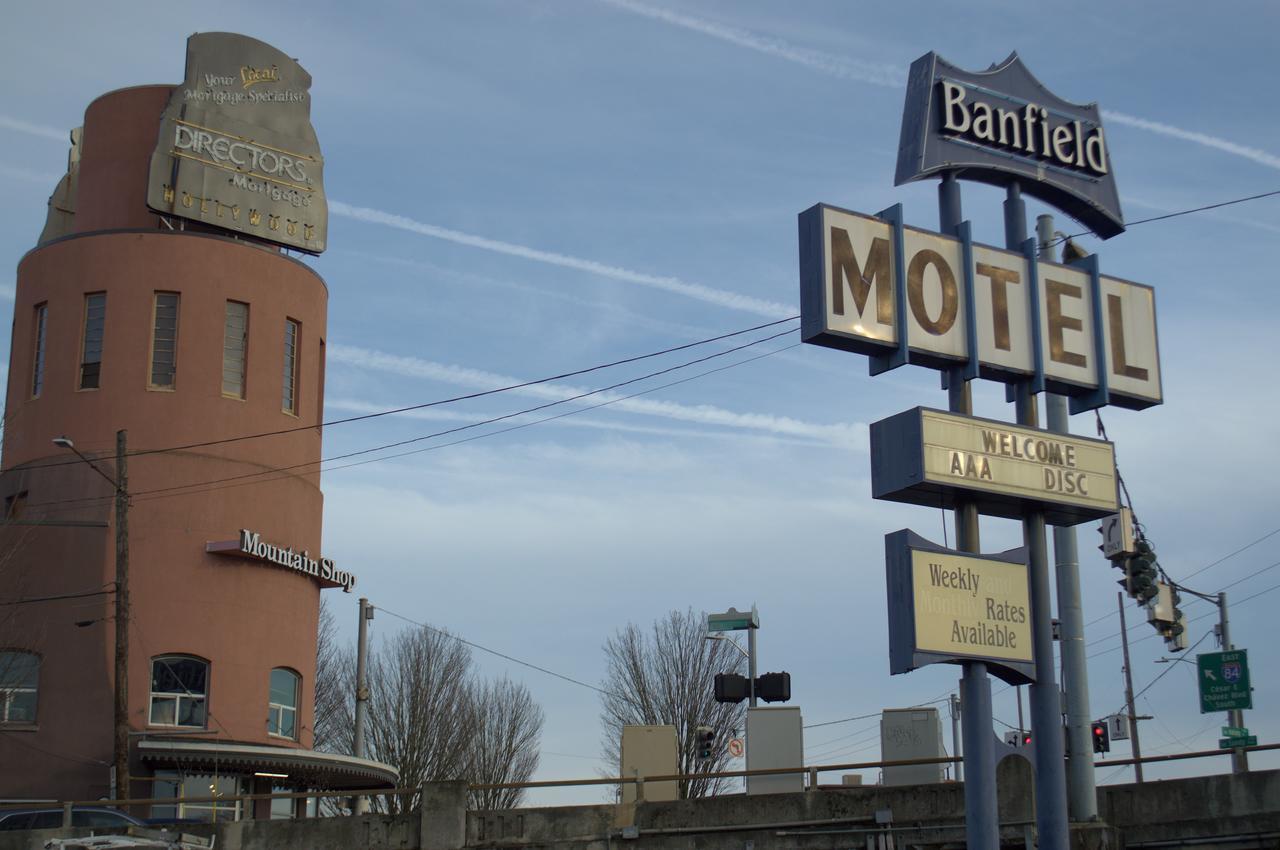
{"type": "Point", "coordinates": [874, 286]}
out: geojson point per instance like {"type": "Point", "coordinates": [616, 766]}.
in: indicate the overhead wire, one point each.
{"type": "Point", "coordinates": [199, 486]}
{"type": "Point", "coordinates": [1164, 216]}
{"type": "Point", "coordinates": [452, 400]}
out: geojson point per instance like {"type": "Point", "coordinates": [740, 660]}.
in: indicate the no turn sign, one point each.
{"type": "Point", "coordinates": [736, 747]}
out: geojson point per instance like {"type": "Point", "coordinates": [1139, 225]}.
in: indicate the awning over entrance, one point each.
{"type": "Point", "coordinates": [305, 767]}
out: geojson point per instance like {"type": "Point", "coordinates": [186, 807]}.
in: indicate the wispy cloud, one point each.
{"type": "Point", "coordinates": [702, 414]}
{"type": "Point", "coordinates": [707, 294]}
{"type": "Point", "coordinates": [45, 132]}
{"type": "Point", "coordinates": [436, 415]}
{"type": "Point", "coordinates": [893, 77]}
{"type": "Point", "coordinates": [6, 292]}
{"type": "Point", "coordinates": [889, 76]}
{"type": "Point", "coordinates": [1256, 154]}
{"type": "Point", "coordinates": [609, 307]}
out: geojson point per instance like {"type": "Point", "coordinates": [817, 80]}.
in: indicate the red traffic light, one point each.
{"type": "Point", "coordinates": [1101, 737]}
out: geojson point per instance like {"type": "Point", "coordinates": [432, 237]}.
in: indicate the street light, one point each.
{"type": "Point", "coordinates": [731, 642]}
{"type": "Point", "coordinates": [120, 484]}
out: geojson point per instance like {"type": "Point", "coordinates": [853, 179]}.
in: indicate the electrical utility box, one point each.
{"type": "Point", "coordinates": [911, 733]}
{"type": "Point", "coordinates": [775, 738]}
{"type": "Point", "coordinates": [650, 751]}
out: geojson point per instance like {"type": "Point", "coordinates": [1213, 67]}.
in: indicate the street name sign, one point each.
{"type": "Point", "coordinates": [931, 458]}
{"type": "Point", "coordinates": [1232, 743]}
{"type": "Point", "coordinates": [733, 620]}
{"type": "Point", "coordinates": [1224, 680]}
{"type": "Point", "coordinates": [1234, 732]}
{"type": "Point", "coordinates": [949, 606]}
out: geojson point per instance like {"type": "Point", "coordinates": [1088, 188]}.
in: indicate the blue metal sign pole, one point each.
{"type": "Point", "coordinates": [1082, 794]}
{"type": "Point", "coordinates": [981, 805]}
{"type": "Point", "coordinates": [1046, 707]}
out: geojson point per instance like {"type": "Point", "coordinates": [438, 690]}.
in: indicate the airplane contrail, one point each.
{"type": "Point", "coordinates": [885, 75]}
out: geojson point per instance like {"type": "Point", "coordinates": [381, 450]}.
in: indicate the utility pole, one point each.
{"type": "Point", "coordinates": [1128, 694]}
{"type": "Point", "coordinates": [121, 738]}
{"type": "Point", "coordinates": [1235, 717]}
{"type": "Point", "coordinates": [361, 804]}
{"type": "Point", "coordinates": [954, 704]}
{"type": "Point", "coordinates": [120, 713]}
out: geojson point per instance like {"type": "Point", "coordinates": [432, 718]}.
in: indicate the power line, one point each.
{"type": "Point", "coordinates": [1175, 214]}
{"type": "Point", "coordinates": [1226, 557]}
{"type": "Point", "coordinates": [198, 486]}
{"type": "Point", "coordinates": [502, 655]}
{"type": "Point", "coordinates": [31, 599]}
{"type": "Point", "coordinates": [1164, 672]}
{"type": "Point", "coordinates": [438, 402]}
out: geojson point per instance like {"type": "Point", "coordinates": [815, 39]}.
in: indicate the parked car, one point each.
{"type": "Point", "coordinates": [98, 817]}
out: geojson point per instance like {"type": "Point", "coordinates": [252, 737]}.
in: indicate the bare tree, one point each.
{"type": "Point", "coordinates": [333, 709]}
{"type": "Point", "coordinates": [504, 742]}
{"type": "Point", "coordinates": [420, 716]}
{"type": "Point", "coordinates": [667, 677]}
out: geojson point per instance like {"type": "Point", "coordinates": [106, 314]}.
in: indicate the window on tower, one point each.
{"type": "Point", "coordinates": [289, 396]}
{"type": "Point", "coordinates": [37, 358]}
{"type": "Point", "coordinates": [164, 341]}
{"type": "Point", "coordinates": [95, 318]}
{"type": "Point", "coordinates": [235, 347]}
{"type": "Point", "coordinates": [179, 688]}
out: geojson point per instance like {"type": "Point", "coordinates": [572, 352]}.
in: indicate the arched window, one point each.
{"type": "Point", "coordinates": [19, 678]}
{"type": "Point", "coordinates": [179, 688]}
{"type": "Point", "coordinates": [282, 710]}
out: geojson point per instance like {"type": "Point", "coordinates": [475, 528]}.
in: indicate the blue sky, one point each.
{"type": "Point", "coordinates": [519, 190]}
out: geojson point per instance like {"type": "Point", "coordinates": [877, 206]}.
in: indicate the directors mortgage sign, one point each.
{"type": "Point", "coordinates": [873, 286]}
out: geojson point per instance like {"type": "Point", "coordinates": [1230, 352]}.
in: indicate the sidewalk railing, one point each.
{"type": "Point", "coordinates": [407, 792]}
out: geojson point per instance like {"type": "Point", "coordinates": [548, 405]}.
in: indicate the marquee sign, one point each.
{"type": "Point", "coordinates": [1002, 126]}
{"type": "Point", "coordinates": [871, 285]}
{"type": "Point", "coordinates": [927, 457]}
{"type": "Point", "coordinates": [251, 545]}
{"type": "Point", "coordinates": [947, 606]}
{"type": "Point", "coordinates": [237, 150]}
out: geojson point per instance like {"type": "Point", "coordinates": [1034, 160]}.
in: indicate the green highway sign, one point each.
{"type": "Point", "coordinates": [1224, 681]}
{"type": "Point", "coordinates": [1234, 732]}
{"type": "Point", "coordinates": [1232, 743]}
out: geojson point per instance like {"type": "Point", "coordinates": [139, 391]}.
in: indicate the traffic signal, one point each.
{"type": "Point", "coordinates": [1101, 737]}
{"type": "Point", "coordinates": [1140, 573]}
{"type": "Point", "coordinates": [1026, 739]}
{"type": "Point", "coordinates": [730, 687]}
{"type": "Point", "coordinates": [774, 687]}
{"type": "Point", "coordinates": [705, 737]}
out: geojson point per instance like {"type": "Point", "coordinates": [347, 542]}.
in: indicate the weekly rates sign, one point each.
{"type": "Point", "coordinates": [902, 295]}
{"type": "Point", "coordinates": [946, 605]}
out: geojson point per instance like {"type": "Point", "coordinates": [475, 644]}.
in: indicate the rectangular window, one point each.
{"type": "Point", "coordinates": [320, 389]}
{"type": "Point", "coordinates": [95, 318]}
{"type": "Point", "coordinates": [235, 344]}
{"type": "Point", "coordinates": [289, 397]}
{"type": "Point", "coordinates": [164, 341]}
{"type": "Point", "coordinates": [37, 350]}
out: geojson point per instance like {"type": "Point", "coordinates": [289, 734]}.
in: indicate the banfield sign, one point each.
{"type": "Point", "coordinates": [1002, 126]}
{"type": "Point", "coordinates": [871, 285]}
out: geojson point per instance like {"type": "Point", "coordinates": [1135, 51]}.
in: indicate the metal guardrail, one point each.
{"type": "Point", "coordinates": [812, 771]}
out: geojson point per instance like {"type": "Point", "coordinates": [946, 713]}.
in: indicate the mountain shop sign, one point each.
{"type": "Point", "coordinates": [871, 285]}
{"type": "Point", "coordinates": [251, 545]}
